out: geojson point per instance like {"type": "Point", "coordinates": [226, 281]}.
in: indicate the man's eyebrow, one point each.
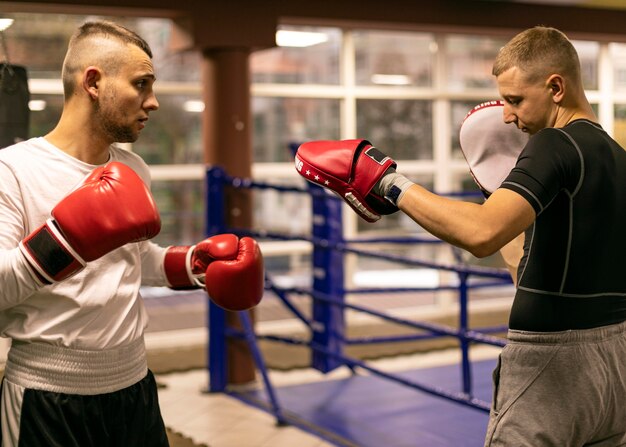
{"type": "Point", "coordinates": [147, 75]}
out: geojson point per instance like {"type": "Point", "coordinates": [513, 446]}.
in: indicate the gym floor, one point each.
{"type": "Point", "coordinates": [341, 408]}
{"type": "Point", "coordinates": [338, 408]}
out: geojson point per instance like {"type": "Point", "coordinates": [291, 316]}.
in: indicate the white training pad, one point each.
{"type": "Point", "coordinates": [490, 146]}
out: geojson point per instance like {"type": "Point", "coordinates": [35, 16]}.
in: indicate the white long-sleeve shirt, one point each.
{"type": "Point", "coordinates": [98, 308]}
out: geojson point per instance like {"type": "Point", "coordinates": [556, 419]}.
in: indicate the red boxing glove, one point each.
{"type": "Point", "coordinates": [230, 268]}
{"type": "Point", "coordinates": [351, 169]}
{"type": "Point", "coordinates": [109, 209]}
{"type": "Point", "coordinates": [490, 146]}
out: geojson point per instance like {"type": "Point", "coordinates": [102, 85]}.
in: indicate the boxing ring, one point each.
{"type": "Point", "coordinates": [326, 327]}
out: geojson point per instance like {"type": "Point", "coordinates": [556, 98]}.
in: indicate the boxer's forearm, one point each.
{"type": "Point", "coordinates": [152, 272]}
{"type": "Point", "coordinates": [480, 229]}
{"type": "Point", "coordinates": [457, 223]}
{"type": "Point", "coordinates": [16, 277]}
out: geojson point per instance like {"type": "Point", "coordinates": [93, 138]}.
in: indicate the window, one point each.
{"type": "Point", "coordinates": [588, 53]}
{"type": "Point", "coordinates": [306, 55]}
{"type": "Point", "coordinates": [394, 58]}
{"type": "Point", "coordinates": [405, 91]}
{"type": "Point", "coordinates": [402, 128]}
{"type": "Point", "coordinates": [45, 112]}
{"type": "Point", "coordinates": [620, 124]}
{"type": "Point", "coordinates": [469, 60]}
{"type": "Point", "coordinates": [279, 123]}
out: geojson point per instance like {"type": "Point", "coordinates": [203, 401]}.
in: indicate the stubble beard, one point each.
{"type": "Point", "coordinates": [115, 132]}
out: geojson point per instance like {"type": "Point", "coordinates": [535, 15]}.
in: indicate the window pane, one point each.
{"type": "Point", "coordinates": [619, 126]}
{"type": "Point", "coordinates": [617, 53]}
{"type": "Point", "coordinates": [310, 56]}
{"type": "Point", "coordinates": [402, 129]}
{"type": "Point", "coordinates": [394, 58]}
{"type": "Point", "coordinates": [595, 108]}
{"type": "Point", "coordinates": [280, 122]}
{"type": "Point", "coordinates": [469, 61]}
{"type": "Point", "coordinates": [45, 113]}
{"type": "Point", "coordinates": [282, 212]}
{"type": "Point", "coordinates": [172, 135]}
{"type": "Point", "coordinates": [181, 205]}
{"type": "Point", "coordinates": [39, 41]}
{"type": "Point", "coordinates": [588, 53]}
{"type": "Point", "coordinates": [169, 65]}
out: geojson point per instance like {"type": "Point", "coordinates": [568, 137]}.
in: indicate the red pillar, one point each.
{"type": "Point", "coordinates": [227, 141]}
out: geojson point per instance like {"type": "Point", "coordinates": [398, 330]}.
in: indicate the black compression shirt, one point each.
{"type": "Point", "coordinates": [573, 272]}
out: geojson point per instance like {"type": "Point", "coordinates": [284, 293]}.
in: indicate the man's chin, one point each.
{"type": "Point", "coordinates": [128, 138]}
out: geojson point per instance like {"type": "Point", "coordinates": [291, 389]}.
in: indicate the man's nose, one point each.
{"type": "Point", "coordinates": [507, 115]}
{"type": "Point", "coordinates": [151, 102]}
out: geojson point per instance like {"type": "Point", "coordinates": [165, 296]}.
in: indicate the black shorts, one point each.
{"type": "Point", "coordinates": [128, 417]}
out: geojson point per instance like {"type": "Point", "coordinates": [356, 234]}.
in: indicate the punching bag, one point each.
{"type": "Point", "coordinates": [14, 97]}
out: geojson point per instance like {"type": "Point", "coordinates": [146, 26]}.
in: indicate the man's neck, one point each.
{"type": "Point", "coordinates": [79, 141]}
{"type": "Point", "coordinates": [83, 149]}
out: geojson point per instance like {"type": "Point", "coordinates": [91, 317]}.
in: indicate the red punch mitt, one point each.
{"type": "Point", "coordinates": [351, 169]}
{"type": "Point", "coordinates": [490, 146]}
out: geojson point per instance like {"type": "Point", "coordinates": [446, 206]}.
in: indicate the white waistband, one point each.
{"type": "Point", "coordinates": [74, 371]}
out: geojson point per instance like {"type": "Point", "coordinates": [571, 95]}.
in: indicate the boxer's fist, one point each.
{"type": "Point", "coordinates": [230, 268]}
{"type": "Point", "coordinates": [109, 209]}
{"type": "Point", "coordinates": [351, 169]}
{"type": "Point", "coordinates": [235, 278]}
{"type": "Point", "coordinates": [490, 146]}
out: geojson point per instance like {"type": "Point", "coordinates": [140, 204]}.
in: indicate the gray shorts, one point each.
{"type": "Point", "coordinates": [560, 389]}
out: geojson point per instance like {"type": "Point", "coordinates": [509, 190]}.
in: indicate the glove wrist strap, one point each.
{"type": "Point", "coordinates": [50, 255]}
{"type": "Point", "coordinates": [177, 266]}
{"type": "Point", "coordinates": [393, 186]}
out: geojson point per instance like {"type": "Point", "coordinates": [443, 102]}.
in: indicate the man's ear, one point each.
{"type": "Point", "coordinates": [556, 83]}
{"type": "Point", "coordinates": [91, 81]}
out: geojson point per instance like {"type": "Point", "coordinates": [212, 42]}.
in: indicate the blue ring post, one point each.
{"type": "Point", "coordinates": [328, 278]}
{"type": "Point", "coordinates": [215, 224]}
{"type": "Point", "coordinates": [466, 368]}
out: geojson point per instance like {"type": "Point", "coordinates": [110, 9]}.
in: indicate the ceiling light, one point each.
{"type": "Point", "coordinates": [299, 39]}
{"type": "Point", "coordinates": [193, 105]}
{"type": "Point", "coordinates": [37, 105]}
{"type": "Point", "coordinates": [5, 23]}
{"type": "Point", "coordinates": [391, 79]}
